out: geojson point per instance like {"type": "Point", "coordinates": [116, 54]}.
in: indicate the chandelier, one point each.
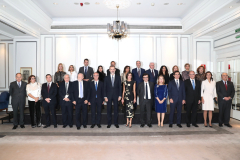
{"type": "Point", "coordinates": [117, 30]}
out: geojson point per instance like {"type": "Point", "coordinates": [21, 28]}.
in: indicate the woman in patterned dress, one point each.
{"type": "Point", "coordinates": [129, 97]}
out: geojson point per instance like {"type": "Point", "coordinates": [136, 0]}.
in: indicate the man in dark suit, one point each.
{"type": "Point", "coordinates": [66, 101]}
{"type": "Point", "coordinates": [153, 73]}
{"type": "Point", "coordinates": [96, 99]}
{"type": "Point", "coordinates": [176, 93]}
{"type": "Point", "coordinates": [225, 90]}
{"type": "Point", "coordinates": [49, 94]}
{"type": "Point", "coordinates": [137, 76]}
{"type": "Point", "coordinates": [112, 93]}
{"type": "Point", "coordinates": [86, 71]}
{"type": "Point", "coordinates": [145, 91]}
{"type": "Point", "coordinates": [17, 90]}
{"type": "Point", "coordinates": [193, 98]}
{"type": "Point", "coordinates": [117, 72]}
{"type": "Point", "coordinates": [81, 96]}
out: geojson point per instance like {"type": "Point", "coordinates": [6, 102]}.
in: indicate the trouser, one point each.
{"type": "Point", "coordinates": [96, 104]}
{"type": "Point", "coordinates": [178, 105]}
{"type": "Point", "coordinates": [224, 111]}
{"type": "Point", "coordinates": [146, 105]}
{"type": "Point", "coordinates": [191, 108]}
{"type": "Point", "coordinates": [16, 107]}
{"type": "Point", "coordinates": [47, 109]}
{"type": "Point", "coordinates": [67, 114]}
{"type": "Point", "coordinates": [35, 112]}
{"type": "Point", "coordinates": [81, 106]}
{"type": "Point", "coordinates": [109, 110]}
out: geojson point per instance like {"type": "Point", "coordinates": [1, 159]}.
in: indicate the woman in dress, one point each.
{"type": "Point", "coordinates": [72, 73]}
{"type": "Point", "coordinates": [174, 69]}
{"type": "Point", "coordinates": [129, 97]}
{"type": "Point", "coordinates": [125, 71]}
{"type": "Point", "coordinates": [161, 94]}
{"type": "Point", "coordinates": [208, 93]}
{"type": "Point", "coordinates": [201, 77]}
{"type": "Point", "coordinates": [102, 75]}
{"type": "Point", "coordinates": [34, 94]}
{"type": "Point", "coordinates": [185, 74]}
{"type": "Point", "coordinates": [164, 72]}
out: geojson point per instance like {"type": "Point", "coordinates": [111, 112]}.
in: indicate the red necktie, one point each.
{"type": "Point", "coordinates": [226, 85]}
{"type": "Point", "coordinates": [48, 87]}
{"type": "Point", "coordinates": [152, 73]}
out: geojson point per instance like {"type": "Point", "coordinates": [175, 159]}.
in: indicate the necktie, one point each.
{"type": "Point", "coordinates": [66, 87]}
{"type": "Point", "coordinates": [177, 85]}
{"type": "Point", "coordinates": [146, 91]}
{"type": "Point", "coordinates": [96, 88]}
{"type": "Point", "coordinates": [19, 85]}
{"type": "Point", "coordinates": [81, 90]}
{"type": "Point", "coordinates": [48, 87]}
{"type": "Point", "coordinates": [226, 85]}
{"type": "Point", "coordinates": [112, 82]}
{"type": "Point", "coordinates": [152, 73]}
{"type": "Point", "coordinates": [138, 72]}
{"type": "Point", "coordinates": [193, 85]}
{"type": "Point", "coordinates": [85, 71]}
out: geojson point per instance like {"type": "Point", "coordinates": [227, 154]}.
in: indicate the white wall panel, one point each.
{"type": "Point", "coordinates": [203, 54]}
{"type": "Point", "coordinates": [184, 52]}
{"type": "Point", "coordinates": [128, 52]}
{"type": "Point", "coordinates": [48, 55]}
{"type": "Point", "coordinates": [146, 51]}
{"type": "Point", "coordinates": [3, 71]}
{"type": "Point", "coordinates": [11, 74]}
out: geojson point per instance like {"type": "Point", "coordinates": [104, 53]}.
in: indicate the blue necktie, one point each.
{"type": "Point", "coordinates": [81, 90]}
{"type": "Point", "coordinates": [19, 85]}
{"type": "Point", "coordinates": [85, 71]}
{"type": "Point", "coordinates": [112, 82]}
{"type": "Point", "coordinates": [96, 88]}
{"type": "Point", "coordinates": [193, 85]}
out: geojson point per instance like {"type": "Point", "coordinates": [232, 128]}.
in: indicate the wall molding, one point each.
{"type": "Point", "coordinates": [5, 65]}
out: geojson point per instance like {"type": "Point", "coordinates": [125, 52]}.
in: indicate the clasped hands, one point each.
{"type": "Point", "coordinates": [183, 101]}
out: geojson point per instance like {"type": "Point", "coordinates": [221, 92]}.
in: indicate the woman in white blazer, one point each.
{"type": "Point", "coordinates": [72, 73]}
{"type": "Point", "coordinates": [208, 93]}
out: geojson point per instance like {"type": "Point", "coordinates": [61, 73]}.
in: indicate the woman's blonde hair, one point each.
{"type": "Point", "coordinates": [60, 64]}
{"type": "Point", "coordinates": [163, 79]}
{"type": "Point", "coordinates": [174, 67]}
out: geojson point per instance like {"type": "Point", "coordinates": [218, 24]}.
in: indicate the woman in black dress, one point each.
{"type": "Point", "coordinates": [174, 69]}
{"type": "Point", "coordinates": [129, 97]}
{"type": "Point", "coordinates": [102, 75]}
{"type": "Point", "coordinates": [164, 72]}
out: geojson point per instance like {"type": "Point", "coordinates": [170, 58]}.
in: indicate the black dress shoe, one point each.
{"type": "Point", "coordinates": [188, 125]}
{"type": "Point", "coordinates": [228, 125]}
{"type": "Point", "coordinates": [142, 125]}
{"type": "Point", "coordinates": [71, 126]}
{"type": "Point", "coordinates": [93, 125]}
{"type": "Point", "coordinates": [84, 126]}
{"type": "Point", "coordinates": [220, 125]}
{"type": "Point", "coordinates": [116, 125]}
{"type": "Point", "coordinates": [22, 126]}
{"type": "Point", "coordinates": [195, 125]}
{"type": "Point", "coordinates": [108, 126]}
{"type": "Point", "coordinates": [179, 125]}
{"type": "Point", "coordinates": [149, 125]}
{"type": "Point", "coordinates": [55, 126]}
{"type": "Point", "coordinates": [64, 126]}
{"type": "Point", "coordinates": [46, 126]}
{"type": "Point", "coordinates": [99, 126]}
{"type": "Point", "coordinates": [170, 125]}
{"type": "Point", "coordinates": [15, 127]}
{"type": "Point", "coordinates": [78, 128]}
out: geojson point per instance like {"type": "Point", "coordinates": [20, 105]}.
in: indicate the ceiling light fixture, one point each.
{"type": "Point", "coordinates": [231, 7]}
{"type": "Point", "coordinates": [86, 3]}
{"type": "Point", "coordinates": [138, 3]}
{"type": "Point", "coordinates": [180, 4]}
{"type": "Point", "coordinates": [76, 3]}
{"type": "Point", "coordinates": [166, 3]}
{"type": "Point", "coordinates": [152, 4]}
{"type": "Point", "coordinates": [97, 3]}
{"type": "Point", "coordinates": [55, 3]}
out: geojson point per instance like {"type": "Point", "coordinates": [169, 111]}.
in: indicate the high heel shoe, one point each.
{"type": "Point", "coordinates": [127, 124]}
{"type": "Point", "coordinates": [205, 125]}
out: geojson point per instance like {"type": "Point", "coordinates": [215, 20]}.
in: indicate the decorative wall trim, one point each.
{"type": "Point", "coordinates": [209, 50]}
{"type": "Point", "coordinates": [45, 53]}
{"type": "Point", "coordinates": [4, 65]}
{"type": "Point", "coordinates": [8, 64]}
{"type": "Point", "coordinates": [237, 40]}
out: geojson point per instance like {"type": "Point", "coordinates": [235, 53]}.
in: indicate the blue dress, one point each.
{"type": "Point", "coordinates": [161, 92]}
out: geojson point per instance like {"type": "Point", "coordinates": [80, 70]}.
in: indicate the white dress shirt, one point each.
{"type": "Point", "coordinates": [193, 81]}
{"type": "Point", "coordinates": [50, 83]}
{"type": "Point", "coordinates": [95, 83]}
{"type": "Point", "coordinates": [34, 89]}
{"type": "Point", "coordinates": [73, 76]}
{"type": "Point", "coordinates": [149, 93]}
{"type": "Point", "coordinates": [80, 83]}
{"type": "Point", "coordinates": [152, 70]}
{"type": "Point", "coordinates": [177, 80]}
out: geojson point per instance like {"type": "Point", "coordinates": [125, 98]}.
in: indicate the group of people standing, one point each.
{"type": "Point", "coordinates": [79, 90]}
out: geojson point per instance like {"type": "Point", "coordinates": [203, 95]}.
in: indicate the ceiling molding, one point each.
{"type": "Point", "coordinates": [6, 34]}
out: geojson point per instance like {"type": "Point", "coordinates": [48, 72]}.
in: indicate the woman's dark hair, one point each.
{"type": "Point", "coordinates": [206, 75]}
{"type": "Point", "coordinates": [199, 69]}
{"type": "Point", "coordinates": [98, 69]}
{"type": "Point", "coordinates": [161, 72]}
{"type": "Point", "coordinates": [29, 78]}
{"type": "Point", "coordinates": [126, 68]}
{"type": "Point", "coordinates": [128, 74]}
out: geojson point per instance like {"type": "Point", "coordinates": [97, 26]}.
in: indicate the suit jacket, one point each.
{"type": "Point", "coordinates": [191, 94]}
{"type": "Point", "coordinates": [174, 93]}
{"type": "Point", "coordinates": [89, 74]}
{"type": "Point", "coordinates": [136, 77]}
{"type": "Point", "coordinates": [117, 72]}
{"type": "Point", "coordinates": [222, 92]}
{"type": "Point", "coordinates": [99, 92]}
{"type": "Point", "coordinates": [151, 77]}
{"type": "Point", "coordinates": [76, 90]}
{"type": "Point", "coordinates": [62, 93]}
{"type": "Point", "coordinates": [52, 94]}
{"type": "Point", "coordinates": [112, 92]}
{"type": "Point", "coordinates": [18, 94]}
{"type": "Point", "coordinates": [141, 91]}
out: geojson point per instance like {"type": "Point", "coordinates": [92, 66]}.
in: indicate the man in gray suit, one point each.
{"type": "Point", "coordinates": [17, 91]}
{"type": "Point", "coordinates": [86, 71]}
{"type": "Point", "coordinates": [225, 90]}
{"type": "Point", "coordinates": [145, 90]}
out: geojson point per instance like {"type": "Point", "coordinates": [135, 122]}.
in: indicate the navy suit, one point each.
{"type": "Point", "coordinates": [178, 95]}
{"type": "Point", "coordinates": [52, 94]}
{"type": "Point", "coordinates": [66, 106]}
{"type": "Point", "coordinates": [80, 102]}
{"type": "Point", "coordinates": [96, 99]}
{"type": "Point", "coordinates": [151, 77]}
{"type": "Point", "coordinates": [112, 93]}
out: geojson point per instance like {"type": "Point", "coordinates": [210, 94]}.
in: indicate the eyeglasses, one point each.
{"type": "Point", "coordinates": [33, 78]}
{"type": "Point", "coordinates": [145, 77]}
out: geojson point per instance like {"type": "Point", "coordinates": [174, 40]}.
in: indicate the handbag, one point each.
{"type": "Point", "coordinates": [215, 101]}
